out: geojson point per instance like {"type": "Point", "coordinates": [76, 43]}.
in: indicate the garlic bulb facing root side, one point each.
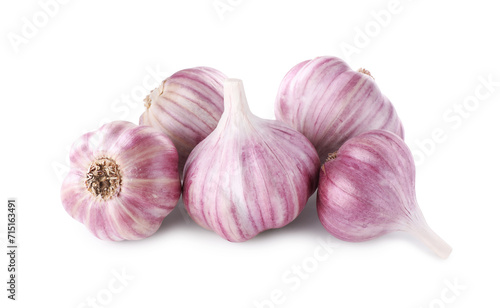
{"type": "Point", "coordinates": [249, 174]}
{"type": "Point", "coordinates": [186, 107]}
{"type": "Point", "coordinates": [329, 103]}
{"type": "Point", "coordinates": [123, 181]}
{"type": "Point", "coordinates": [367, 189]}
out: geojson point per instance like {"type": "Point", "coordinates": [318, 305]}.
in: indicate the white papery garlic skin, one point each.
{"type": "Point", "coordinates": [249, 174]}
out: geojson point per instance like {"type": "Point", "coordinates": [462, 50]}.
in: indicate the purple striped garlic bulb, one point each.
{"type": "Point", "coordinates": [249, 174]}
{"type": "Point", "coordinates": [329, 103]}
{"type": "Point", "coordinates": [186, 107]}
{"type": "Point", "coordinates": [123, 181]}
{"type": "Point", "coordinates": [367, 189]}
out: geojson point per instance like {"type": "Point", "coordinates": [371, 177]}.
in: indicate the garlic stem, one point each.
{"type": "Point", "coordinates": [425, 234]}
{"type": "Point", "coordinates": [331, 156]}
{"type": "Point", "coordinates": [366, 72]}
{"type": "Point", "coordinates": [147, 101]}
{"type": "Point", "coordinates": [235, 101]}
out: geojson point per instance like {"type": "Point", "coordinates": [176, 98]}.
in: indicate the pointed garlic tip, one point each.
{"type": "Point", "coordinates": [235, 100]}
{"type": "Point", "coordinates": [433, 241]}
{"type": "Point", "coordinates": [366, 72]}
{"type": "Point", "coordinates": [147, 101]}
{"type": "Point", "coordinates": [331, 156]}
{"type": "Point", "coordinates": [154, 94]}
{"type": "Point", "coordinates": [150, 97]}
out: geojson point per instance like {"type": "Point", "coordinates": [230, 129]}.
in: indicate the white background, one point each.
{"type": "Point", "coordinates": [75, 70]}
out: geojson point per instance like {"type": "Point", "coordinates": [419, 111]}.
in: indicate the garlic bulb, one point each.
{"type": "Point", "coordinates": [123, 181]}
{"type": "Point", "coordinates": [249, 174]}
{"type": "Point", "coordinates": [329, 103]}
{"type": "Point", "coordinates": [367, 189]}
{"type": "Point", "coordinates": [186, 107]}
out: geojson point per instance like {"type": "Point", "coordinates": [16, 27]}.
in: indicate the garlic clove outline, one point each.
{"type": "Point", "coordinates": [123, 181]}
{"type": "Point", "coordinates": [329, 103]}
{"type": "Point", "coordinates": [367, 189]}
{"type": "Point", "coordinates": [249, 174]}
{"type": "Point", "coordinates": [186, 107]}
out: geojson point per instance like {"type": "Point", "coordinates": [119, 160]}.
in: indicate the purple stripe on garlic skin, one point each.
{"type": "Point", "coordinates": [148, 188]}
{"type": "Point", "coordinates": [367, 189]}
{"type": "Point", "coordinates": [249, 174]}
{"type": "Point", "coordinates": [329, 103]}
{"type": "Point", "coordinates": [186, 107]}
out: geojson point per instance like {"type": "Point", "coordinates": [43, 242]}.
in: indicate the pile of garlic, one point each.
{"type": "Point", "coordinates": [239, 174]}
